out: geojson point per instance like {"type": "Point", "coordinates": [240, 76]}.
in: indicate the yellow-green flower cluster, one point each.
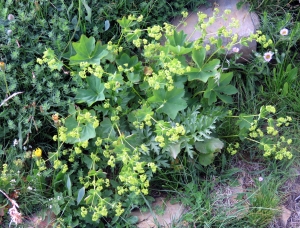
{"type": "Point", "coordinates": [112, 85]}
{"type": "Point", "coordinates": [184, 14]}
{"type": "Point", "coordinates": [4, 173]}
{"type": "Point", "coordinates": [119, 210]}
{"type": "Point", "coordinates": [99, 211]}
{"type": "Point", "coordinates": [88, 69]}
{"type": "Point", "coordinates": [270, 109]}
{"type": "Point", "coordinates": [41, 164]}
{"type": "Point", "coordinates": [114, 48]}
{"type": "Point", "coordinates": [141, 124]}
{"type": "Point", "coordinates": [278, 149]}
{"type": "Point", "coordinates": [270, 140]}
{"type": "Point", "coordinates": [174, 133]}
{"type": "Point", "coordinates": [112, 161]}
{"type": "Point", "coordinates": [262, 39]}
{"type": "Point", "coordinates": [283, 121]}
{"type": "Point", "coordinates": [152, 166]}
{"type": "Point", "coordinates": [132, 17]}
{"type": "Point", "coordinates": [233, 148]}
{"type": "Point", "coordinates": [155, 32]}
{"type": "Point", "coordinates": [151, 50]}
{"type": "Point", "coordinates": [161, 140]}
{"type": "Point", "coordinates": [164, 77]}
{"type": "Point", "coordinates": [82, 118]}
{"type": "Point", "coordinates": [168, 29]}
{"type": "Point", "coordinates": [50, 58]}
{"type": "Point", "coordinates": [235, 23]}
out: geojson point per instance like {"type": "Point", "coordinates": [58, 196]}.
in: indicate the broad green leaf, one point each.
{"type": "Point", "coordinates": [292, 73]}
{"type": "Point", "coordinates": [199, 56]}
{"type": "Point", "coordinates": [210, 95]}
{"type": "Point", "coordinates": [140, 114]}
{"type": "Point", "coordinates": [124, 22]}
{"type": "Point", "coordinates": [87, 132]}
{"type": "Point", "coordinates": [58, 179]}
{"type": "Point", "coordinates": [81, 193]}
{"type": "Point", "coordinates": [226, 99]}
{"type": "Point", "coordinates": [70, 52]}
{"type": "Point", "coordinates": [220, 88]}
{"type": "Point", "coordinates": [177, 39]}
{"type": "Point", "coordinates": [168, 102]}
{"type": "Point", "coordinates": [88, 10]}
{"type": "Point", "coordinates": [225, 78]}
{"type": "Point", "coordinates": [228, 89]}
{"type": "Point", "coordinates": [179, 50]}
{"type": "Point", "coordinates": [93, 93]}
{"type": "Point", "coordinates": [126, 61]}
{"type": "Point", "coordinates": [244, 121]}
{"type": "Point", "coordinates": [208, 146]}
{"type": "Point", "coordinates": [130, 36]}
{"type": "Point", "coordinates": [56, 208]}
{"type": "Point", "coordinates": [206, 159]}
{"type": "Point", "coordinates": [88, 161]}
{"type": "Point", "coordinates": [106, 129]}
{"type": "Point", "coordinates": [285, 89]}
{"type": "Point", "coordinates": [205, 72]}
{"type": "Point", "coordinates": [87, 51]}
{"type": "Point", "coordinates": [133, 77]}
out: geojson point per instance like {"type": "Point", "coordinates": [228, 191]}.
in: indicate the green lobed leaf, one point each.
{"type": "Point", "coordinates": [169, 102]}
{"type": "Point", "coordinates": [56, 208]}
{"type": "Point", "coordinates": [208, 146]}
{"type": "Point", "coordinates": [206, 159]}
{"type": "Point", "coordinates": [199, 56]}
{"type": "Point", "coordinates": [177, 39]}
{"type": "Point", "coordinates": [87, 51]}
{"type": "Point", "coordinates": [179, 50]}
{"type": "Point", "coordinates": [93, 93]}
{"type": "Point", "coordinates": [225, 78]}
{"type": "Point", "coordinates": [244, 121]}
{"type": "Point", "coordinates": [205, 72]}
{"type": "Point", "coordinates": [220, 89]}
{"type": "Point", "coordinates": [124, 22]}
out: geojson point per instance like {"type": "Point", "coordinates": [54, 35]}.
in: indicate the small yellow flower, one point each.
{"type": "Point", "coordinates": [2, 66]}
{"type": "Point", "coordinates": [37, 152]}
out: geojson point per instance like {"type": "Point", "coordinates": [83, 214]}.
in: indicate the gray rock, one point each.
{"type": "Point", "coordinates": [249, 22]}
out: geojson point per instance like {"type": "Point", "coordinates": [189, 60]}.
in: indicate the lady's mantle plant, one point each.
{"type": "Point", "coordinates": [134, 114]}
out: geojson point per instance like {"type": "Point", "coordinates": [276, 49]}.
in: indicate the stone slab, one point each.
{"type": "Point", "coordinates": [249, 23]}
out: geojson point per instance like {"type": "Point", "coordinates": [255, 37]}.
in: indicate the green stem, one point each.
{"type": "Point", "coordinates": [77, 25]}
{"type": "Point", "coordinates": [6, 86]}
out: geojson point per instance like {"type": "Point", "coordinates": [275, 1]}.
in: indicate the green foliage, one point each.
{"type": "Point", "coordinates": [130, 130]}
{"type": "Point", "coordinates": [87, 51]}
{"type": "Point", "coordinates": [93, 93]}
{"type": "Point", "coordinates": [118, 115]}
